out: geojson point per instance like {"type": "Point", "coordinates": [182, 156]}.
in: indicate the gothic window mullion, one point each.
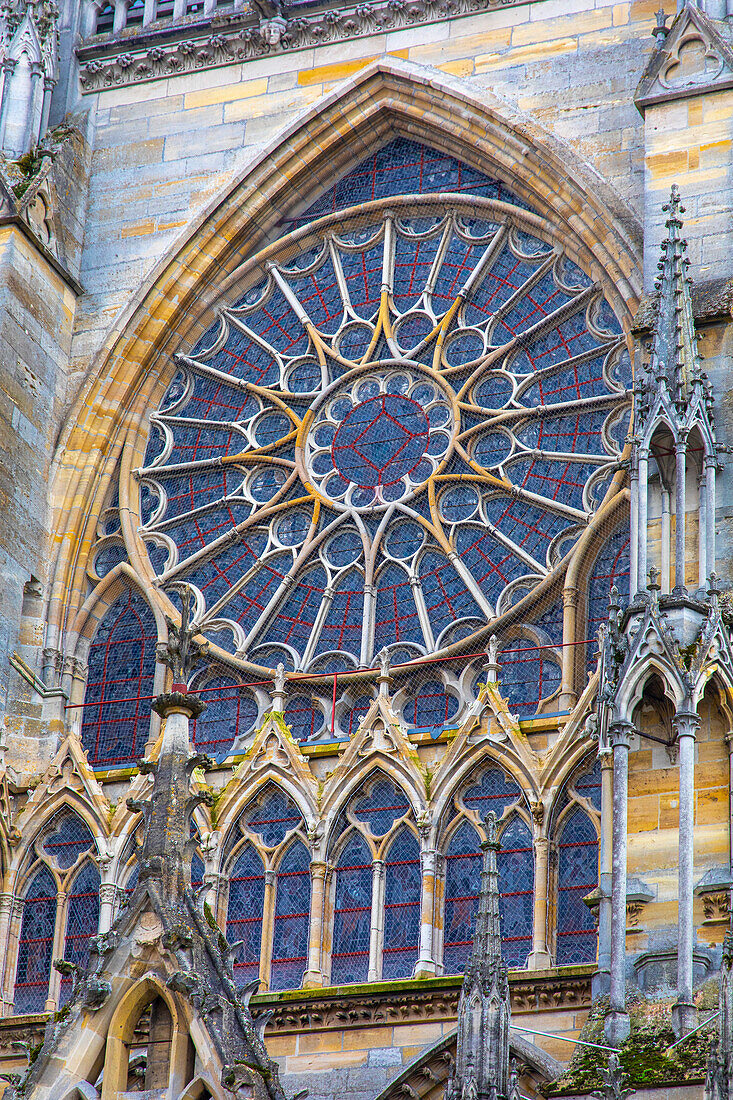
{"type": "Point", "coordinates": [376, 938]}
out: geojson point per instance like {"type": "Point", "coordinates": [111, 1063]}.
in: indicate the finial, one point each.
{"type": "Point", "coordinates": [278, 689]}
{"type": "Point", "coordinates": [384, 678]}
{"type": "Point", "coordinates": [492, 664]}
{"type": "Point", "coordinates": [661, 30]}
{"type": "Point", "coordinates": [181, 653]}
{"type": "Point", "coordinates": [653, 584]}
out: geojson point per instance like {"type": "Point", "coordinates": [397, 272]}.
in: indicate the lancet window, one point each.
{"type": "Point", "coordinates": [116, 715]}
{"type": "Point", "coordinates": [577, 829]}
{"type": "Point", "coordinates": [267, 866]}
{"type": "Point", "coordinates": [493, 790]}
{"type": "Point", "coordinates": [376, 886]}
{"type": "Point", "coordinates": [60, 911]}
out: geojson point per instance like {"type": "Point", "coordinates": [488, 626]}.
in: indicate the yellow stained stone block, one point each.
{"type": "Point", "coordinates": [208, 96]}
{"type": "Point", "coordinates": [521, 54]}
{"type": "Point", "coordinates": [340, 70]}
{"type": "Point", "coordinates": [458, 68]}
{"type": "Point", "coordinates": [142, 229]}
{"type": "Point", "coordinates": [367, 1038]}
{"type": "Point", "coordinates": [712, 806]}
{"type": "Point", "coordinates": [664, 164]}
{"type": "Point", "coordinates": [694, 113]}
{"type": "Point", "coordinates": [315, 1041]}
{"type": "Point", "coordinates": [308, 1063]}
{"type": "Point", "coordinates": [620, 14]}
{"type": "Point", "coordinates": [643, 814]}
{"type": "Point", "coordinates": [409, 1034]}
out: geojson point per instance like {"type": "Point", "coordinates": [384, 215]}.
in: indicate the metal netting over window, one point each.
{"type": "Point", "coordinates": [401, 906]}
{"type": "Point", "coordinates": [386, 442]}
{"type": "Point", "coordinates": [230, 712]}
{"type": "Point", "coordinates": [516, 888]}
{"type": "Point", "coordinates": [352, 914]}
{"type": "Point", "coordinates": [35, 947]}
{"type": "Point", "coordinates": [380, 806]}
{"type": "Point", "coordinates": [119, 690]}
{"type": "Point", "coordinates": [67, 839]}
{"type": "Point", "coordinates": [244, 914]}
{"type": "Point", "coordinates": [292, 912]}
{"type": "Point", "coordinates": [82, 922]}
{"type": "Point", "coordinates": [462, 882]}
{"type": "Point", "coordinates": [577, 877]}
{"type": "Point", "coordinates": [611, 568]}
{"type": "Point", "coordinates": [271, 816]}
{"type": "Point", "coordinates": [493, 790]}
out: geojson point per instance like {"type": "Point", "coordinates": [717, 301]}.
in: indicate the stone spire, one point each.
{"type": "Point", "coordinates": [481, 1070]}
{"type": "Point", "coordinates": [673, 368]}
{"type": "Point", "coordinates": [185, 953]}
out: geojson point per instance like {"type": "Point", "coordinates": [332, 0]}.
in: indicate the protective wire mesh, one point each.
{"type": "Point", "coordinates": [244, 913]}
{"type": "Point", "coordinates": [292, 912]}
{"type": "Point", "coordinates": [68, 838]}
{"type": "Point", "coordinates": [82, 922]}
{"type": "Point", "coordinates": [352, 914]}
{"type": "Point", "coordinates": [401, 906]}
{"type": "Point", "coordinates": [577, 877]}
{"type": "Point", "coordinates": [36, 943]}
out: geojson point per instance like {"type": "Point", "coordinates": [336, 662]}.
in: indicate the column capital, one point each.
{"type": "Point", "coordinates": [620, 734]}
{"type": "Point", "coordinates": [319, 868]}
{"type": "Point", "coordinates": [686, 723]}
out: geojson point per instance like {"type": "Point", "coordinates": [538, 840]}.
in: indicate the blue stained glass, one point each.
{"type": "Point", "coordinates": [381, 806]}
{"type": "Point", "coordinates": [246, 606]}
{"type": "Point", "coordinates": [589, 785]}
{"type": "Point", "coordinates": [320, 296]}
{"type": "Point", "coordinates": [231, 711]}
{"type": "Point", "coordinates": [526, 525]}
{"type": "Point", "coordinates": [381, 440]}
{"type": "Point", "coordinates": [292, 912]}
{"type": "Point", "coordinates": [69, 838]}
{"type": "Point", "coordinates": [445, 593]}
{"type": "Point", "coordinates": [516, 887]}
{"type": "Point", "coordinates": [343, 624]}
{"type": "Point", "coordinates": [551, 621]}
{"type": "Point", "coordinates": [432, 706]}
{"type": "Point", "coordinates": [82, 922]}
{"type": "Point", "coordinates": [529, 673]}
{"type": "Point", "coordinates": [197, 871]}
{"type": "Point", "coordinates": [272, 817]}
{"type": "Point", "coordinates": [404, 167]}
{"type": "Point", "coordinates": [573, 382]}
{"type": "Point", "coordinates": [352, 914]}
{"type": "Point", "coordinates": [244, 913]}
{"type": "Point", "coordinates": [184, 493]}
{"type": "Point", "coordinates": [494, 790]}
{"type": "Point", "coordinates": [215, 577]}
{"type": "Point", "coordinates": [108, 557]}
{"type": "Point", "coordinates": [555, 480]}
{"type": "Point", "coordinates": [494, 391]}
{"type": "Point", "coordinates": [296, 617]}
{"type": "Point", "coordinates": [611, 568]}
{"type": "Point", "coordinates": [462, 883]}
{"type": "Point", "coordinates": [304, 717]}
{"type": "Point", "coordinates": [401, 906]}
{"type": "Point", "coordinates": [36, 944]}
{"type": "Point", "coordinates": [577, 877]}
{"type": "Point", "coordinates": [491, 566]}
{"type": "Point", "coordinates": [458, 263]}
{"type": "Point", "coordinates": [396, 614]}
{"type": "Point", "coordinates": [244, 358]}
{"type": "Point", "coordinates": [363, 275]}
{"type": "Point", "coordinates": [355, 714]}
{"type": "Point", "coordinates": [116, 716]}
{"type": "Point", "coordinates": [413, 261]}
{"type": "Point", "coordinates": [405, 539]}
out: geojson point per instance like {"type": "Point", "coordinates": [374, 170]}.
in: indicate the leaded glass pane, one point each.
{"type": "Point", "coordinates": [381, 806]}
{"type": "Point", "coordinates": [462, 882]}
{"type": "Point", "coordinates": [231, 711]}
{"type": "Point", "coordinates": [588, 785]}
{"type": "Point", "coordinates": [611, 568]}
{"type": "Point", "coordinates": [36, 943]}
{"type": "Point", "coordinates": [272, 816]}
{"type": "Point", "coordinates": [528, 674]}
{"type": "Point", "coordinates": [352, 914]}
{"type": "Point", "coordinates": [493, 790]}
{"type": "Point", "coordinates": [69, 838]}
{"type": "Point", "coordinates": [120, 683]}
{"type": "Point", "coordinates": [292, 911]}
{"type": "Point", "coordinates": [82, 922]}
{"type": "Point", "coordinates": [516, 886]}
{"type": "Point", "coordinates": [244, 913]}
{"type": "Point", "coordinates": [401, 907]}
{"type": "Point", "coordinates": [577, 877]}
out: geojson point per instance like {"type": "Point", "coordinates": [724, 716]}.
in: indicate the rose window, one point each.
{"type": "Point", "coordinates": [395, 430]}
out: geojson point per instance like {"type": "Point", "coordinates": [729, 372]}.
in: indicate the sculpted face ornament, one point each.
{"type": "Point", "coordinates": [397, 431]}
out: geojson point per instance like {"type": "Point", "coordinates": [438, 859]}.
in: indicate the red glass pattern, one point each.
{"type": "Point", "coordinates": [292, 913]}
{"type": "Point", "coordinates": [352, 914]}
{"type": "Point", "coordinates": [244, 913]}
{"type": "Point", "coordinates": [36, 943]}
{"type": "Point", "coordinates": [380, 440]}
{"type": "Point", "coordinates": [577, 877]}
{"type": "Point", "coordinates": [402, 906]}
{"type": "Point", "coordinates": [82, 922]}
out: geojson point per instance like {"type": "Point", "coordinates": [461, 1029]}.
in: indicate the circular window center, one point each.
{"type": "Point", "coordinates": [381, 440]}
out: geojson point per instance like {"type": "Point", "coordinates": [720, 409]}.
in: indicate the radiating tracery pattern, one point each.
{"type": "Point", "coordinates": [394, 434]}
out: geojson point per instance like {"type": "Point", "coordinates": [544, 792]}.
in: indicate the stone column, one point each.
{"type": "Point", "coordinates": [109, 892]}
{"type": "Point", "coordinates": [268, 927]}
{"type": "Point", "coordinates": [617, 1022]}
{"type": "Point", "coordinates": [376, 937]}
{"type": "Point", "coordinates": [684, 1013]}
{"type": "Point", "coordinates": [709, 516]}
{"type": "Point", "coordinates": [8, 66]}
{"type": "Point", "coordinates": [666, 561]}
{"type": "Point", "coordinates": [426, 959]}
{"type": "Point", "coordinates": [539, 957]}
{"type": "Point", "coordinates": [313, 977]}
{"type": "Point", "coordinates": [680, 448]}
{"type": "Point", "coordinates": [643, 520]}
{"type": "Point", "coordinates": [602, 980]}
{"type": "Point", "coordinates": [634, 528]}
{"type": "Point", "coordinates": [702, 516]}
{"type": "Point", "coordinates": [57, 952]}
{"type": "Point", "coordinates": [120, 19]}
{"type": "Point", "coordinates": [6, 910]}
{"type": "Point", "coordinates": [569, 696]}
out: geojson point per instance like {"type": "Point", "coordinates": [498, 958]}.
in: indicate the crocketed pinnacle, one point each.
{"type": "Point", "coordinates": [675, 361]}
{"type": "Point", "coordinates": [486, 954]}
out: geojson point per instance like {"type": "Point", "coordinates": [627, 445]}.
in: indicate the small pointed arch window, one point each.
{"type": "Point", "coordinates": [463, 833]}
{"type": "Point", "coordinates": [376, 886]}
{"type": "Point", "coordinates": [576, 831]}
{"type": "Point", "coordinates": [60, 912]}
{"type": "Point", "coordinates": [117, 702]}
{"type": "Point", "coordinates": [267, 866]}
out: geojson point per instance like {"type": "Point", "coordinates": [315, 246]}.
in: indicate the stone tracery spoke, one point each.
{"type": "Point", "coordinates": [398, 348]}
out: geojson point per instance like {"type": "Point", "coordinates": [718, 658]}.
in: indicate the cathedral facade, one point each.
{"type": "Point", "coordinates": [365, 430]}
